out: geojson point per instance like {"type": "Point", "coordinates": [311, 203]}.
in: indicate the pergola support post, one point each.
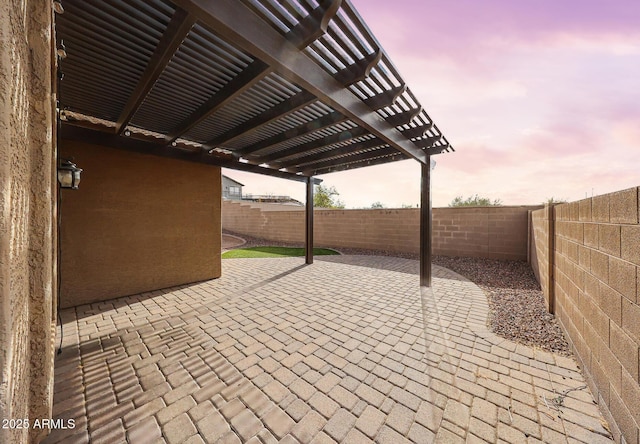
{"type": "Point", "coordinates": [308, 242]}
{"type": "Point", "coordinates": [425, 225]}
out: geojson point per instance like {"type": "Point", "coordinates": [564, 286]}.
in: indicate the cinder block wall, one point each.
{"type": "Point", "coordinates": [137, 223]}
{"type": "Point", "coordinates": [541, 243]}
{"type": "Point", "coordinates": [597, 296]}
{"type": "Point", "coordinates": [492, 232]}
{"type": "Point", "coordinates": [391, 230]}
{"type": "Point", "coordinates": [27, 224]}
{"type": "Point", "coordinates": [283, 226]}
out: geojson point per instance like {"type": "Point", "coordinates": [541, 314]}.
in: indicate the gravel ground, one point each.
{"type": "Point", "coordinates": [517, 310]}
{"type": "Point", "coordinates": [516, 303]}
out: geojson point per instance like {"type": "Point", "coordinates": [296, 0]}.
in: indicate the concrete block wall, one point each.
{"type": "Point", "coordinates": [596, 279]}
{"type": "Point", "coordinates": [267, 221]}
{"type": "Point", "coordinates": [492, 232]}
{"type": "Point", "coordinates": [541, 245]}
{"type": "Point", "coordinates": [376, 229]}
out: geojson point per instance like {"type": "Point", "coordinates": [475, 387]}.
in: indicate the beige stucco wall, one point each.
{"type": "Point", "coordinates": [137, 223]}
{"type": "Point", "coordinates": [26, 215]}
{"type": "Point", "coordinates": [596, 281]}
{"type": "Point", "coordinates": [492, 232]}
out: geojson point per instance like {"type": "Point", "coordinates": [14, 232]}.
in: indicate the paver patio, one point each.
{"type": "Point", "coordinates": [349, 349]}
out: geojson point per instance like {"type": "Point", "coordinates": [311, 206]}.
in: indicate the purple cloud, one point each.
{"type": "Point", "coordinates": [432, 24]}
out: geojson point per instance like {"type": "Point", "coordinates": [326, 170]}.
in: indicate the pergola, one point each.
{"type": "Point", "coordinates": [290, 88]}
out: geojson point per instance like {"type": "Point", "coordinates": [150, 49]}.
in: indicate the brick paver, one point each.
{"type": "Point", "coordinates": [350, 349]}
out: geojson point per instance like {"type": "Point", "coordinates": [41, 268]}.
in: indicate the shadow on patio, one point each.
{"type": "Point", "coordinates": [345, 350]}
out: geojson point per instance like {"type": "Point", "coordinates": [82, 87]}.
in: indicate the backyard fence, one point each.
{"type": "Point", "coordinates": [492, 232]}
{"type": "Point", "coordinates": [586, 256]}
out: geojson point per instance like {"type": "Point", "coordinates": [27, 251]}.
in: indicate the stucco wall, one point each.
{"type": "Point", "coordinates": [137, 223]}
{"type": "Point", "coordinates": [493, 232]}
{"type": "Point", "coordinates": [26, 215]}
{"type": "Point", "coordinates": [595, 278]}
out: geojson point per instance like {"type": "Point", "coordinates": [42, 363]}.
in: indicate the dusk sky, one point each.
{"type": "Point", "coordinates": [539, 99]}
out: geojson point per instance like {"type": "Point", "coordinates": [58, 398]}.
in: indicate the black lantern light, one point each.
{"type": "Point", "coordinates": [68, 174]}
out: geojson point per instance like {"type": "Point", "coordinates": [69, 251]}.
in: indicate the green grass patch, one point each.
{"type": "Point", "coordinates": [256, 252]}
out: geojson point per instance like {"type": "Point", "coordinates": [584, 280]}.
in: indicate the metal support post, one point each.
{"type": "Point", "coordinates": [308, 243]}
{"type": "Point", "coordinates": [425, 225]}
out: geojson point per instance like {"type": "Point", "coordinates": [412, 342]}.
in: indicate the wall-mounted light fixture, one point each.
{"type": "Point", "coordinates": [68, 174]}
{"type": "Point", "coordinates": [61, 51]}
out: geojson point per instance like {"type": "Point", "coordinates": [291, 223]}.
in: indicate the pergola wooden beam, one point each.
{"type": "Point", "coordinates": [313, 145]}
{"type": "Point", "coordinates": [363, 156]}
{"type": "Point", "coordinates": [157, 147]}
{"type": "Point", "coordinates": [325, 121]}
{"type": "Point", "coordinates": [251, 75]}
{"type": "Point", "coordinates": [412, 133]}
{"type": "Point", "coordinates": [438, 149]}
{"type": "Point", "coordinates": [404, 117]}
{"type": "Point", "coordinates": [290, 105]}
{"type": "Point", "coordinates": [385, 98]}
{"type": "Point", "coordinates": [314, 25]}
{"type": "Point", "coordinates": [177, 30]}
{"type": "Point", "coordinates": [362, 163]}
{"type": "Point", "coordinates": [354, 147]}
{"type": "Point", "coordinates": [359, 70]}
{"type": "Point", "coordinates": [428, 142]}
